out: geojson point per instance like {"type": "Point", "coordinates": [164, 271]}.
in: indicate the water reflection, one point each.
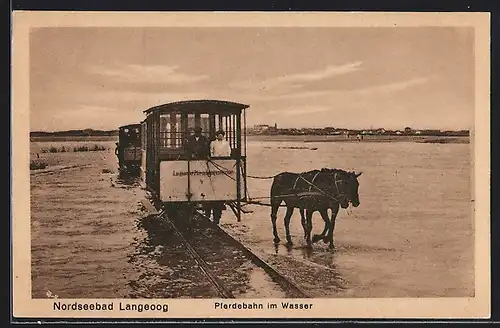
{"type": "Point", "coordinates": [314, 269]}
{"type": "Point", "coordinates": [323, 256]}
{"type": "Point", "coordinates": [128, 179]}
{"type": "Point", "coordinates": [158, 234]}
{"type": "Point", "coordinates": [306, 252]}
{"type": "Point", "coordinates": [164, 270]}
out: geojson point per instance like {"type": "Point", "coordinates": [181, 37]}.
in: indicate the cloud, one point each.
{"type": "Point", "coordinates": [371, 90]}
{"type": "Point", "coordinates": [134, 73]}
{"type": "Point", "coordinates": [293, 80]}
{"type": "Point", "coordinates": [81, 116]}
{"type": "Point", "coordinates": [295, 95]}
{"type": "Point", "coordinates": [324, 73]}
{"type": "Point", "coordinates": [392, 87]}
{"type": "Point", "coordinates": [300, 110]}
{"type": "Point", "coordinates": [137, 97]}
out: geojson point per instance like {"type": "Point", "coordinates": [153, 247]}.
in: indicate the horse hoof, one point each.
{"type": "Point", "coordinates": [289, 243]}
{"type": "Point", "coordinates": [316, 238]}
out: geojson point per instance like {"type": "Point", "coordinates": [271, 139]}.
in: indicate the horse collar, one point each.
{"type": "Point", "coordinates": [296, 180]}
{"type": "Point", "coordinates": [336, 185]}
{"type": "Point", "coordinates": [312, 182]}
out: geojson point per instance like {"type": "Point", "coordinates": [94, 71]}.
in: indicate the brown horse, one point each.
{"type": "Point", "coordinates": [317, 190]}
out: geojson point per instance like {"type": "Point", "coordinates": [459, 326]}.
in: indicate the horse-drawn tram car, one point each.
{"type": "Point", "coordinates": [128, 147]}
{"type": "Point", "coordinates": [194, 155]}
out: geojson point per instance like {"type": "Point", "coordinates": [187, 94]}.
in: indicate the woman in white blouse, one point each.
{"type": "Point", "coordinates": [220, 147]}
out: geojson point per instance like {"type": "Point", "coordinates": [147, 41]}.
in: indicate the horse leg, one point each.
{"type": "Point", "coordinates": [335, 211]}
{"type": "Point", "coordinates": [274, 211]}
{"type": "Point", "coordinates": [303, 221]}
{"type": "Point", "coordinates": [324, 215]}
{"type": "Point", "coordinates": [288, 216]}
{"type": "Point", "coordinates": [309, 214]}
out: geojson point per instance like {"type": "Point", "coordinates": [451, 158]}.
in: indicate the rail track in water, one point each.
{"type": "Point", "coordinates": [233, 270]}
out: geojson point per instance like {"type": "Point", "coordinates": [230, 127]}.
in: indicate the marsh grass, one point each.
{"type": "Point", "coordinates": [80, 148]}
{"type": "Point", "coordinates": [38, 164]}
{"type": "Point", "coordinates": [95, 147]}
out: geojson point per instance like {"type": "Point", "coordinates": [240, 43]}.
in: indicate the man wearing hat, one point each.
{"type": "Point", "coordinates": [197, 145]}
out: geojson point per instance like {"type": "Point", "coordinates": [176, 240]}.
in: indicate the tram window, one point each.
{"type": "Point", "coordinates": [168, 137]}
{"type": "Point", "coordinates": [227, 123]}
{"type": "Point", "coordinates": [205, 124]}
{"type": "Point", "coordinates": [202, 120]}
{"type": "Point", "coordinates": [164, 127]}
{"type": "Point", "coordinates": [171, 135]}
{"type": "Point", "coordinates": [177, 131]}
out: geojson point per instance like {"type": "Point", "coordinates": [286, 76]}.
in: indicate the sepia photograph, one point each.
{"type": "Point", "coordinates": [268, 165]}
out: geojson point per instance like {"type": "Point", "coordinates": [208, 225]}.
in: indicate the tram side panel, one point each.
{"type": "Point", "coordinates": [206, 181]}
{"type": "Point", "coordinates": [143, 165]}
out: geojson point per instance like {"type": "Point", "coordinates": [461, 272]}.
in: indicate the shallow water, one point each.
{"type": "Point", "coordinates": [412, 235]}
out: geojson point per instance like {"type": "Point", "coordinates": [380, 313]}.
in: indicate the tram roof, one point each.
{"type": "Point", "coordinates": [135, 125]}
{"type": "Point", "coordinates": [199, 106]}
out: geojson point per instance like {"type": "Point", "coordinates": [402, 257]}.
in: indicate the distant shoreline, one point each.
{"type": "Point", "coordinates": [50, 138]}
{"type": "Point", "coordinates": [366, 138]}
{"type": "Point", "coordinates": [287, 138]}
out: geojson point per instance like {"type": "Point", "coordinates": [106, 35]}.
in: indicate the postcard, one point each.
{"type": "Point", "coordinates": [261, 165]}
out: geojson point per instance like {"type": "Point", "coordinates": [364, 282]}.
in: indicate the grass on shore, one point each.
{"type": "Point", "coordinates": [38, 164]}
{"type": "Point", "coordinates": [64, 149]}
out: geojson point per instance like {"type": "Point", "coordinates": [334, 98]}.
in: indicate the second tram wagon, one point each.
{"type": "Point", "coordinates": [128, 148]}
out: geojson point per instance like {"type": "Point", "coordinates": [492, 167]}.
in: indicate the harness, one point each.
{"type": "Point", "coordinates": [335, 181]}
{"type": "Point", "coordinates": [312, 182]}
{"type": "Point", "coordinates": [312, 185]}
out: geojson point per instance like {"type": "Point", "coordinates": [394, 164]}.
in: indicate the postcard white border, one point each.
{"type": "Point", "coordinates": [474, 307]}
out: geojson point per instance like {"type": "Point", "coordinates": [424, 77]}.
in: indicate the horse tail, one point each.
{"type": "Point", "coordinates": [275, 190]}
{"type": "Point", "coordinates": [274, 195]}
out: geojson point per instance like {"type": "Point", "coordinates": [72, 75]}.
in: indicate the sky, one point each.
{"type": "Point", "coordinates": [346, 77]}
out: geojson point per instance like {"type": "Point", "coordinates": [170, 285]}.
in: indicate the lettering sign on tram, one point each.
{"type": "Point", "coordinates": [210, 181]}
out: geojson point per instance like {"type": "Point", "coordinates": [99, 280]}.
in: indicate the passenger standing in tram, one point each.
{"type": "Point", "coordinates": [197, 145]}
{"type": "Point", "coordinates": [220, 147]}
{"type": "Point", "coordinates": [118, 154]}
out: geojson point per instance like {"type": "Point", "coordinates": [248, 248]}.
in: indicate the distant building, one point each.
{"type": "Point", "coordinates": [259, 128]}
{"type": "Point", "coordinates": [263, 128]}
